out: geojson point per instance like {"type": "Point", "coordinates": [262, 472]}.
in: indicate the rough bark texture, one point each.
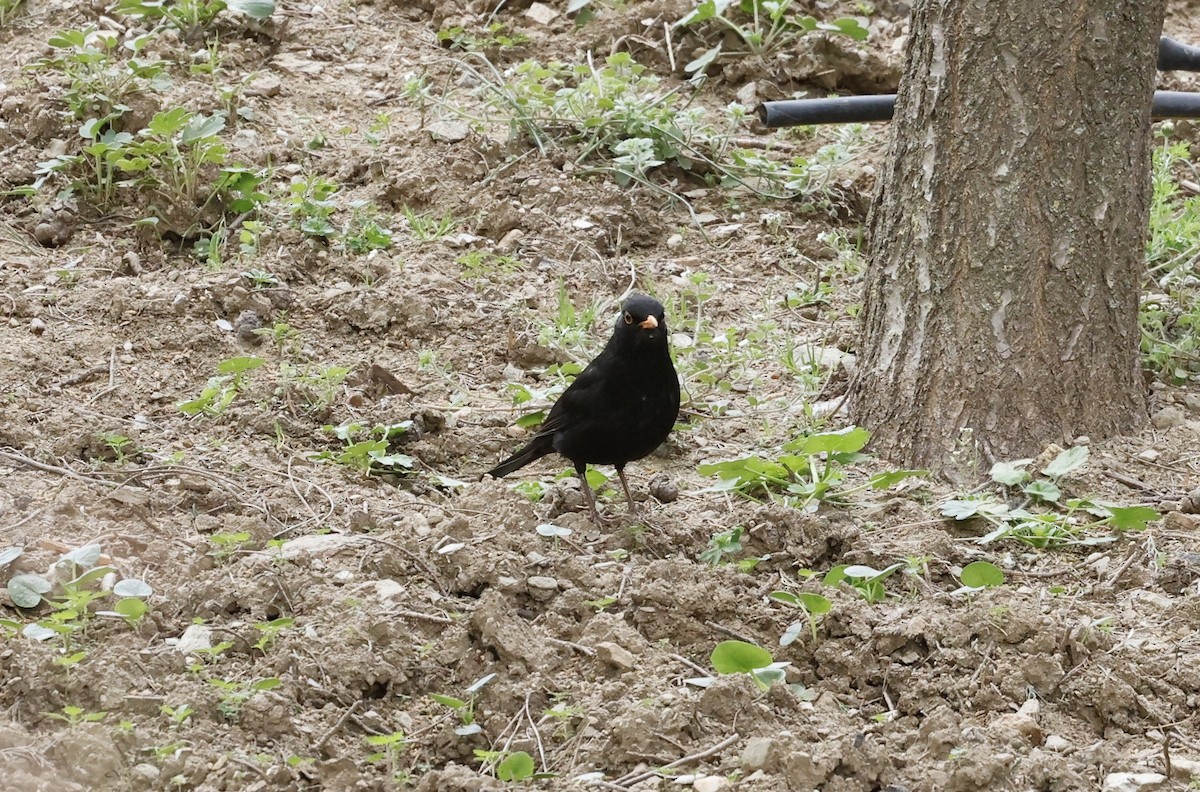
{"type": "Point", "coordinates": [1007, 236]}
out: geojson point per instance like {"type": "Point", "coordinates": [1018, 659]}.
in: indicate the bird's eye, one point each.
{"type": "Point", "coordinates": [628, 318]}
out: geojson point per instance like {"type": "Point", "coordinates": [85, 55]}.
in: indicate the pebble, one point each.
{"type": "Point", "coordinates": [1056, 743]}
{"type": "Point", "coordinates": [1133, 782]}
{"type": "Point", "coordinates": [37, 326]}
{"type": "Point", "coordinates": [664, 489]}
{"type": "Point", "coordinates": [541, 13]}
{"type": "Point", "coordinates": [615, 655]}
{"type": "Point", "coordinates": [710, 784]}
{"type": "Point", "coordinates": [194, 638]}
{"type": "Point", "coordinates": [542, 587]}
{"type": "Point", "coordinates": [147, 772]}
{"type": "Point", "coordinates": [1170, 417]}
{"type": "Point", "coordinates": [757, 753]}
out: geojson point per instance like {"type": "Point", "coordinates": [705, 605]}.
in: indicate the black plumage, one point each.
{"type": "Point", "coordinates": [619, 409]}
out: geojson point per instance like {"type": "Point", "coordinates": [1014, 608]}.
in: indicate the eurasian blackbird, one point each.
{"type": "Point", "coordinates": [620, 408]}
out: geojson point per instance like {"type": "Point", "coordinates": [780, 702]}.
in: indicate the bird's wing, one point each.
{"type": "Point", "coordinates": [568, 407]}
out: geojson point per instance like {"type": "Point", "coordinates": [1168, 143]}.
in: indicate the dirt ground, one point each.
{"type": "Point", "coordinates": [1082, 670]}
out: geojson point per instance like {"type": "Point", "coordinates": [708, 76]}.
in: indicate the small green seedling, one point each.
{"type": "Point", "coordinates": [235, 694]}
{"type": "Point", "coordinates": [740, 657]}
{"type": "Point", "coordinates": [370, 455]}
{"type": "Point", "coordinates": [465, 709]}
{"type": "Point", "coordinates": [1057, 521]}
{"type": "Point", "coordinates": [978, 576]}
{"type": "Point", "coordinates": [222, 389]}
{"type": "Point", "coordinates": [177, 715]}
{"type": "Point", "coordinates": [226, 544]}
{"type": "Point", "coordinates": [867, 581]}
{"type": "Point", "coordinates": [814, 606]}
{"type": "Point", "coordinates": [270, 631]}
{"type": "Point", "coordinates": [722, 546]}
{"type": "Point", "coordinates": [392, 744]}
{"type": "Point", "coordinates": [810, 473]}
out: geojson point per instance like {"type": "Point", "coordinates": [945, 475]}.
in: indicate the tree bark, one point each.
{"type": "Point", "coordinates": [1007, 236]}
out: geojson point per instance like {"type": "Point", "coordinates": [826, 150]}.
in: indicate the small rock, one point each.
{"type": "Point", "coordinates": [1170, 417]}
{"type": "Point", "coordinates": [146, 772]}
{"type": "Point", "coordinates": [710, 784]}
{"type": "Point", "coordinates": [245, 325]}
{"type": "Point", "coordinates": [1133, 782]}
{"type": "Point", "coordinates": [541, 13]}
{"type": "Point", "coordinates": [388, 589]}
{"type": "Point", "coordinates": [582, 224]}
{"type": "Point", "coordinates": [1191, 502]}
{"type": "Point", "coordinates": [1185, 769]}
{"type": "Point", "coordinates": [195, 638]}
{"type": "Point", "coordinates": [1192, 402]}
{"type": "Point", "coordinates": [37, 326]}
{"type": "Point", "coordinates": [664, 489]}
{"type": "Point", "coordinates": [1184, 519]}
{"type": "Point", "coordinates": [757, 753]}
{"type": "Point", "coordinates": [615, 655]}
{"type": "Point", "coordinates": [508, 242]}
{"type": "Point", "coordinates": [747, 95]}
{"type": "Point", "coordinates": [1056, 743]}
{"type": "Point", "coordinates": [1016, 723]}
{"type": "Point", "coordinates": [263, 84]}
{"type": "Point", "coordinates": [1149, 455]}
{"type": "Point", "coordinates": [675, 240]}
{"type": "Point", "coordinates": [541, 587]}
{"type": "Point", "coordinates": [448, 131]}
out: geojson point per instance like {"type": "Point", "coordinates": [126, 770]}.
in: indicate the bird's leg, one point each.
{"type": "Point", "coordinates": [632, 506]}
{"type": "Point", "coordinates": [588, 496]}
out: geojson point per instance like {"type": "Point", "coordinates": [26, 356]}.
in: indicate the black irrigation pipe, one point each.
{"type": "Point", "coordinates": [1172, 56]}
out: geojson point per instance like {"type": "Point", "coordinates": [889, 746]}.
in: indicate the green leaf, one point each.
{"type": "Point", "coordinates": [815, 603]}
{"type": "Point", "coordinates": [1043, 490]}
{"type": "Point", "coordinates": [531, 419]}
{"type": "Point", "coordinates": [702, 62]}
{"type": "Point", "coordinates": [982, 574]}
{"type": "Point", "coordinates": [10, 554]}
{"type": "Point", "coordinates": [85, 556]}
{"type": "Point", "coordinates": [448, 701]}
{"type": "Point", "coordinates": [834, 576]}
{"type": "Point", "coordinates": [739, 657]}
{"type": "Point", "coordinates": [701, 13]}
{"type": "Point", "coordinates": [847, 440]}
{"type": "Point", "coordinates": [132, 587]}
{"type": "Point", "coordinates": [270, 683]}
{"type": "Point", "coordinates": [517, 766]}
{"type": "Point", "coordinates": [256, 9]}
{"type": "Point", "coordinates": [1010, 474]}
{"type": "Point", "coordinates": [785, 596]}
{"type": "Point", "coordinates": [885, 480]}
{"type": "Point", "coordinates": [1131, 518]}
{"type": "Point", "coordinates": [847, 26]}
{"type": "Point", "coordinates": [239, 365]}
{"type": "Point", "coordinates": [26, 590]}
{"type": "Point", "coordinates": [131, 608]}
{"type": "Point", "coordinates": [1067, 461]}
{"type": "Point", "coordinates": [200, 127]}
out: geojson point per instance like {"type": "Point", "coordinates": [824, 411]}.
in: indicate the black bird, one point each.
{"type": "Point", "coordinates": [620, 408]}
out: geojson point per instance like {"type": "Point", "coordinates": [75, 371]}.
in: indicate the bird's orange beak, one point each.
{"type": "Point", "coordinates": [649, 324]}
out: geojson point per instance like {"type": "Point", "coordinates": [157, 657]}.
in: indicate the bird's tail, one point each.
{"type": "Point", "coordinates": [536, 449]}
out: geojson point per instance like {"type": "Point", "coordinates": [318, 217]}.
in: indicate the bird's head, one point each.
{"type": "Point", "coordinates": [643, 322]}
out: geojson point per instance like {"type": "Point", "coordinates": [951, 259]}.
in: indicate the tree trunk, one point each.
{"type": "Point", "coordinates": [1007, 235]}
